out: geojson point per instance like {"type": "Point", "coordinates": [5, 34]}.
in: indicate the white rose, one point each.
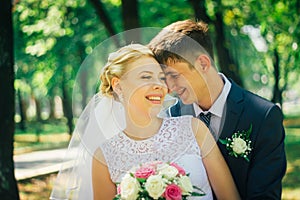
{"type": "Point", "coordinates": [129, 188]}
{"type": "Point", "coordinates": [239, 145]}
{"type": "Point", "coordinates": [155, 186]}
{"type": "Point", "coordinates": [168, 171]}
{"type": "Point", "coordinates": [185, 185]}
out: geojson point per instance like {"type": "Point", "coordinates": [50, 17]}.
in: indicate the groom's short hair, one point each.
{"type": "Point", "coordinates": [182, 41]}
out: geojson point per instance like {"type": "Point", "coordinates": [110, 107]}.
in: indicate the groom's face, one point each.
{"type": "Point", "coordinates": [185, 81]}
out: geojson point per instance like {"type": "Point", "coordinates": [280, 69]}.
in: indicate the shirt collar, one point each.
{"type": "Point", "coordinates": [218, 105]}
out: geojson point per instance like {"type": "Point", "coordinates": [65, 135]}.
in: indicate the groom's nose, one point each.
{"type": "Point", "coordinates": [170, 83]}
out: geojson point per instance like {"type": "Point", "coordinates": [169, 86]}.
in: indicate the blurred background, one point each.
{"type": "Point", "coordinates": [256, 44]}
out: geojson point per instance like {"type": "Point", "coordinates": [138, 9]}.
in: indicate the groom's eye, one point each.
{"type": "Point", "coordinates": [174, 76]}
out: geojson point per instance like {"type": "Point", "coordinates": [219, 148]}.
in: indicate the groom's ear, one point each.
{"type": "Point", "coordinates": [202, 63]}
{"type": "Point", "coordinates": [115, 84]}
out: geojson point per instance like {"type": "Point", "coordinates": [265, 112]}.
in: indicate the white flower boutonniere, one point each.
{"type": "Point", "coordinates": [239, 145]}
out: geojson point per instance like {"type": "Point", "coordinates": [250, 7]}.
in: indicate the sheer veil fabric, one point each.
{"type": "Point", "coordinates": [102, 118]}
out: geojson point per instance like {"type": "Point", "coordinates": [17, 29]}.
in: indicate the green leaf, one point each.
{"type": "Point", "coordinates": [141, 180]}
{"type": "Point", "coordinates": [247, 159]}
{"type": "Point", "coordinates": [197, 188]}
{"type": "Point", "coordinates": [196, 194]}
{"type": "Point", "coordinates": [248, 132]}
{"type": "Point", "coordinates": [117, 197]}
{"type": "Point", "coordinates": [223, 141]}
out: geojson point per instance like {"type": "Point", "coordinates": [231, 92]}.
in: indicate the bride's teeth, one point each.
{"type": "Point", "coordinates": [154, 98]}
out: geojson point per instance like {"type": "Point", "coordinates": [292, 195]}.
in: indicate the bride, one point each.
{"type": "Point", "coordinates": [123, 127]}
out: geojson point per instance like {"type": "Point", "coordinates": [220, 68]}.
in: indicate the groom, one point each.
{"type": "Point", "coordinates": [185, 50]}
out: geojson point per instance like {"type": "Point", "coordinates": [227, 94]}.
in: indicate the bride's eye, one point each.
{"type": "Point", "coordinates": [146, 77]}
{"type": "Point", "coordinates": [163, 79]}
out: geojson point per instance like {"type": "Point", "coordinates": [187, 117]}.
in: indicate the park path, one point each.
{"type": "Point", "coordinates": [28, 165]}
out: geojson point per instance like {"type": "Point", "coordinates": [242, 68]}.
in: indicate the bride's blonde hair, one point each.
{"type": "Point", "coordinates": [116, 65]}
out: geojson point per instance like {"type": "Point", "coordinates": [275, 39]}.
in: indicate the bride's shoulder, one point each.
{"type": "Point", "coordinates": [198, 126]}
{"type": "Point", "coordinates": [180, 118]}
{"type": "Point", "coordinates": [98, 154]}
{"type": "Point", "coordinates": [202, 134]}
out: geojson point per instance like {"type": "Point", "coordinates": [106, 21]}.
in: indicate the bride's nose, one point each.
{"type": "Point", "coordinates": [159, 85]}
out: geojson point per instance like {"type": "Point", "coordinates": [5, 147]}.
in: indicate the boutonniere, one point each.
{"type": "Point", "coordinates": [239, 145]}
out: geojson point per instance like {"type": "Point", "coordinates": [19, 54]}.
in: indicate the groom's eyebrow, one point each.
{"type": "Point", "coordinates": [170, 73]}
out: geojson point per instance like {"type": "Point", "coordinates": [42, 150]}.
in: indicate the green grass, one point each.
{"type": "Point", "coordinates": [291, 181]}
{"type": "Point", "coordinates": [42, 128]}
{"type": "Point", "coordinates": [41, 136]}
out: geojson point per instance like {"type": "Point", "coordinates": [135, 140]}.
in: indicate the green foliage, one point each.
{"type": "Point", "coordinates": [278, 22]}
{"type": "Point", "coordinates": [53, 37]}
{"type": "Point", "coordinates": [161, 13]}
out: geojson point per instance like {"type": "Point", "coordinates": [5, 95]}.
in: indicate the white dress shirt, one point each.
{"type": "Point", "coordinates": [217, 108]}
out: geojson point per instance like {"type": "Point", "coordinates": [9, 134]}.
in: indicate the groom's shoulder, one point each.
{"type": "Point", "coordinates": [252, 98]}
{"type": "Point", "coordinates": [257, 100]}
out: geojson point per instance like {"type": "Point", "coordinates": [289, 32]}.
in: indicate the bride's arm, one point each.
{"type": "Point", "coordinates": [217, 170]}
{"type": "Point", "coordinates": [103, 187]}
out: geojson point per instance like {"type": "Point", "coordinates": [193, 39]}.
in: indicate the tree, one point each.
{"type": "Point", "coordinates": [8, 184]}
{"type": "Point", "coordinates": [104, 17]}
{"type": "Point", "coordinates": [279, 25]}
{"type": "Point", "coordinates": [227, 65]}
{"type": "Point", "coordinates": [130, 17]}
{"type": "Point", "coordinates": [53, 38]}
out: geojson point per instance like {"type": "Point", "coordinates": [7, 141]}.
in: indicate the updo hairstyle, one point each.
{"type": "Point", "coordinates": [117, 63]}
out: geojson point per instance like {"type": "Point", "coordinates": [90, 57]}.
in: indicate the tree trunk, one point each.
{"type": "Point", "coordinates": [52, 107]}
{"type": "Point", "coordinates": [38, 109]}
{"type": "Point", "coordinates": [83, 76]}
{"type": "Point", "coordinates": [83, 85]}
{"type": "Point", "coordinates": [200, 10]}
{"type": "Point", "coordinates": [8, 184]}
{"type": "Point", "coordinates": [67, 107]}
{"type": "Point", "coordinates": [277, 92]}
{"type": "Point", "coordinates": [130, 16]}
{"type": "Point", "coordinates": [226, 63]}
{"type": "Point", "coordinates": [99, 7]}
{"type": "Point", "coordinates": [22, 107]}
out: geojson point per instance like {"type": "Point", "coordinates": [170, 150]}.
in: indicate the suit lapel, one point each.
{"type": "Point", "coordinates": [181, 109]}
{"type": "Point", "coordinates": [234, 108]}
{"type": "Point", "coordinates": [187, 109]}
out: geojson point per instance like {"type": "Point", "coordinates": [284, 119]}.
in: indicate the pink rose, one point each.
{"type": "Point", "coordinates": [173, 192]}
{"type": "Point", "coordinates": [119, 189]}
{"type": "Point", "coordinates": [144, 172]}
{"type": "Point", "coordinates": [180, 169]}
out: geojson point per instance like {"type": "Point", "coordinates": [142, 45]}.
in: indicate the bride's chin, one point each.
{"type": "Point", "coordinates": [155, 110]}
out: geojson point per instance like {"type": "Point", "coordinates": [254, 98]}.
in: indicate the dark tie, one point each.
{"type": "Point", "coordinates": [205, 118]}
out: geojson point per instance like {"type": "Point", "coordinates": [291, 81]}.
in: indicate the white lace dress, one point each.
{"type": "Point", "coordinates": [175, 142]}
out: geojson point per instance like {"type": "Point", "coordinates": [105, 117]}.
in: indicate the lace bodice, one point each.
{"type": "Point", "coordinates": [174, 142]}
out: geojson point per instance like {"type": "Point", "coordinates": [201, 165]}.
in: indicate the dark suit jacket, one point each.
{"type": "Point", "coordinates": [261, 177]}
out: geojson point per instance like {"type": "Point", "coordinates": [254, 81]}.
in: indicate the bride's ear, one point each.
{"type": "Point", "coordinates": [115, 84]}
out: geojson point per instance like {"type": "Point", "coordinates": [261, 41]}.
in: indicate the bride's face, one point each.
{"type": "Point", "coordinates": [143, 87]}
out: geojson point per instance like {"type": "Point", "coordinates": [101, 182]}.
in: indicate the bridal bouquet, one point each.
{"type": "Point", "coordinates": [156, 180]}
